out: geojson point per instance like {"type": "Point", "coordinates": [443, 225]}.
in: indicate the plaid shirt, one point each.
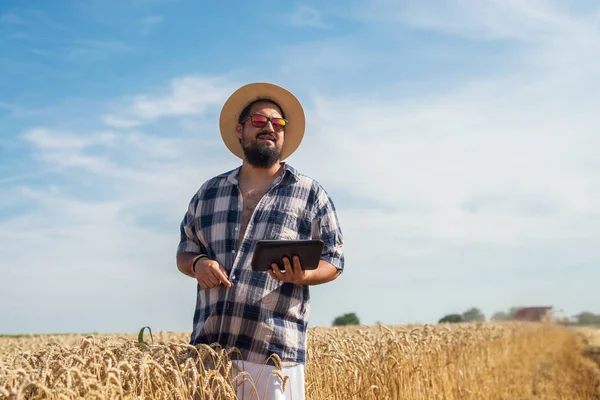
{"type": "Point", "coordinates": [258, 315]}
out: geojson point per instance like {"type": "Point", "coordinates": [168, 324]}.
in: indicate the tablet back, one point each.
{"type": "Point", "coordinates": [268, 252]}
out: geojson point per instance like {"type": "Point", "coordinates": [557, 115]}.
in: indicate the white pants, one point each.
{"type": "Point", "coordinates": [262, 385]}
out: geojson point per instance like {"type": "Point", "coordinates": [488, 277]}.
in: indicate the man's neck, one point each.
{"type": "Point", "coordinates": [253, 176]}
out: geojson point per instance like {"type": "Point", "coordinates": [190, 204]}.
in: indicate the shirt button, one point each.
{"type": "Point", "coordinates": [236, 228]}
{"type": "Point", "coordinates": [233, 277]}
{"type": "Point", "coordinates": [232, 251]}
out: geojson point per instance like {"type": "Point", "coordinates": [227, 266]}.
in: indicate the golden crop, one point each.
{"type": "Point", "coordinates": [591, 340]}
{"type": "Point", "coordinates": [459, 361]}
{"type": "Point", "coordinates": [591, 335]}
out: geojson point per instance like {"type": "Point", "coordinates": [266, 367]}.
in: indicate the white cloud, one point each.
{"type": "Point", "coordinates": [48, 139]}
{"type": "Point", "coordinates": [507, 164]}
{"type": "Point", "coordinates": [108, 223]}
{"type": "Point", "coordinates": [131, 158]}
{"type": "Point", "coordinates": [477, 19]}
{"type": "Point", "coordinates": [187, 96]}
{"type": "Point", "coordinates": [86, 258]}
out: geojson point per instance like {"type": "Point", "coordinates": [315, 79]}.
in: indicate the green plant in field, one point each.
{"type": "Point", "coordinates": [141, 335]}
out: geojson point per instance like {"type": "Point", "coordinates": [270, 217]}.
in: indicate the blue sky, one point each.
{"type": "Point", "coordinates": [458, 140]}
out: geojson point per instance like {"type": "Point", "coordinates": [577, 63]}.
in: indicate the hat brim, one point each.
{"type": "Point", "coordinates": [290, 105]}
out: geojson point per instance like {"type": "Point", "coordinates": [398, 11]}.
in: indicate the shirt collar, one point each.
{"type": "Point", "coordinates": [290, 171]}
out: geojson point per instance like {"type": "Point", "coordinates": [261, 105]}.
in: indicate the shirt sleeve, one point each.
{"type": "Point", "coordinates": [189, 240]}
{"type": "Point", "coordinates": [327, 228]}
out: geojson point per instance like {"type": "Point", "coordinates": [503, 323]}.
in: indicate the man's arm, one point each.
{"type": "Point", "coordinates": [327, 228]}
{"type": "Point", "coordinates": [325, 272]}
{"type": "Point", "coordinates": [189, 244]}
{"type": "Point", "coordinates": [183, 263]}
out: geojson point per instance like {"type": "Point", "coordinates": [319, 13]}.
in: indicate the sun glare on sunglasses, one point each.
{"type": "Point", "coordinates": [259, 121]}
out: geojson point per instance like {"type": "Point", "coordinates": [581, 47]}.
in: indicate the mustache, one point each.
{"type": "Point", "coordinates": [265, 134]}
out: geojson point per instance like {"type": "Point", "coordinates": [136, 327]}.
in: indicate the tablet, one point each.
{"type": "Point", "coordinates": [268, 252]}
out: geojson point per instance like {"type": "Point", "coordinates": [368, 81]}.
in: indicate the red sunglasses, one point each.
{"type": "Point", "coordinates": [259, 121]}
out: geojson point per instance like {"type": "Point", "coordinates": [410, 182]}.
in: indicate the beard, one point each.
{"type": "Point", "coordinates": [260, 155]}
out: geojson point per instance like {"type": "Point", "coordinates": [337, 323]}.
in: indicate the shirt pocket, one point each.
{"type": "Point", "coordinates": [290, 224]}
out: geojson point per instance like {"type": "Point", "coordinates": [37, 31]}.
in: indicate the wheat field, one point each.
{"type": "Point", "coordinates": [590, 334]}
{"type": "Point", "coordinates": [591, 340]}
{"type": "Point", "coordinates": [457, 361]}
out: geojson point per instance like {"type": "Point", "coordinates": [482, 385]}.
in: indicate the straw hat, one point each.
{"type": "Point", "coordinates": [291, 107]}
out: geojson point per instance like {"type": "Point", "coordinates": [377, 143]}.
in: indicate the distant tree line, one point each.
{"type": "Point", "coordinates": [474, 314]}
{"type": "Point", "coordinates": [346, 319]}
{"type": "Point", "coordinates": [505, 316]}
{"type": "Point", "coordinates": [587, 318]}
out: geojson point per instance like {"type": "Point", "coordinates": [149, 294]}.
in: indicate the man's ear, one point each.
{"type": "Point", "coordinates": [238, 131]}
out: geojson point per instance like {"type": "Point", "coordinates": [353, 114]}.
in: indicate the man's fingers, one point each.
{"type": "Point", "coordinates": [297, 267]}
{"type": "Point", "coordinates": [223, 270]}
{"type": "Point", "coordinates": [276, 273]}
{"type": "Point", "coordinates": [296, 261]}
{"type": "Point", "coordinates": [287, 266]}
{"type": "Point", "coordinates": [290, 273]}
{"type": "Point", "coordinates": [211, 279]}
{"type": "Point", "coordinates": [221, 275]}
{"type": "Point", "coordinates": [213, 274]}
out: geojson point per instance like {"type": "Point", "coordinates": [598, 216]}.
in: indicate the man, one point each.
{"type": "Point", "coordinates": [259, 313]}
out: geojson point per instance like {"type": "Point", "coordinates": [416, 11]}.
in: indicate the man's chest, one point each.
{"type": "Point", "coordinates": [250, 201]}
{"type": "Point", "coordinates": [229, 222]}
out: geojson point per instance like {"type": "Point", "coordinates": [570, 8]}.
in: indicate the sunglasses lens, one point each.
{"type": "Point", "coordinates": [258, 121]}
{"type": "Point", "coordinates": [278, 124]}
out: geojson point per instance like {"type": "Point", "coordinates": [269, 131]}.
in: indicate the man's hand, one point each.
{"type": "Point", "coordinates": [210, 274]}
{"type": "Point", "coordinates": [292, 274]}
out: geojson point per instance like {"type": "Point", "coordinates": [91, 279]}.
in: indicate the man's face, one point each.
{"type": "Point", "coordinates": [262, 145]}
